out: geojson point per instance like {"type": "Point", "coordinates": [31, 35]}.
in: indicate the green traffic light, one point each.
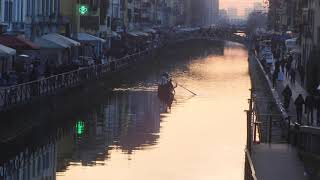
{"type": "Point", "coordinates": [83, 9]}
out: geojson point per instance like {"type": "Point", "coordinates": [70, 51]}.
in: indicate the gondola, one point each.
{"type": "Point", "coordinates": [165, 88]}
{"type": "Point", "coordinates": [165, 93]}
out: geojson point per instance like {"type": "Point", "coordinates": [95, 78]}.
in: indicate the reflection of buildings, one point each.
{"type": "Point", "coordinates": [129, 121]}
{"type": "Point", "coordinates": [134, 119]}
{"type": "Point", "coordinates": [40, 164]}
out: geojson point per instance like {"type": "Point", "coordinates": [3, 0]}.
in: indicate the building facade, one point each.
{"type": "Point", "coordinates": [31, 18]}
{"type": "Point", "coordinates": [310, 43]}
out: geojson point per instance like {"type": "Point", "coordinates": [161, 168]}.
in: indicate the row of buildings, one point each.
{"type": "Point", "coordinates": [65, 29]}
{"type": "Point", "coordinates": [34, 18]}
{"type": "Point", "coordinates": [302, 17]}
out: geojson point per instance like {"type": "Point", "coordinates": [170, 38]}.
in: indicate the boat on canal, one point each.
{"type": "Point", "coordinates": [166, 90]}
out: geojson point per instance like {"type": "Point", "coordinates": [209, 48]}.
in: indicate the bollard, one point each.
{"type": "Point", "coordinates": [249, 130]}
{"type": "Point", "coordinates": [270, 129]}
{"type": "Point", "coordinates": [289, 122]}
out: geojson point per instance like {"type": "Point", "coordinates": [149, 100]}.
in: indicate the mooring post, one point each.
{"type": "Point", "coordinates": [270, 129]}
{"type": "Point", "coordinates": [249, 130]}
{"type": "Point", "coordinates": [289, 124]}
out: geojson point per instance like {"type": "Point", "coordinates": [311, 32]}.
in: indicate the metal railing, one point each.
{"type": "Point", "coordinates": [249, 171]}
{"type": "Point", "coordinates": [22, 93]}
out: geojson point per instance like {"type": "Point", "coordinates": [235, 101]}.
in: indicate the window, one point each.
{"type": "Point", "coordinates": [47, 7]}
{"type": "Point", "coordinates": [318, 35]}
{"type": "Point", "coordinates": [0, 10]}
{"type": "Point", "coordinates": [28, 8]}
{"type": "Point", "coordinates": [8, 11]}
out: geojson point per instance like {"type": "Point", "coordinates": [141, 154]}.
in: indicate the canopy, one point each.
{"type": "Point", "coordinates": [46, 44]}
{"type": "Point", "coordinates": [61, 40]}
{"type": "Point", "coordinates": [17, 43]}
{"type": "Point", "coordinates": [149, 30]}
{"type": "Point", "coordinates": [89, 37]}
{"type": "Point", "coordinates": [114, 34]}
{"type": "Point", "coordinates": [296, 50]}
{"type": "Point", "coordinates": [133, 34]}
{"type": "Point", "coordinates": [6, 51]}
{"type": "Point", "coordinates": [139, 33]}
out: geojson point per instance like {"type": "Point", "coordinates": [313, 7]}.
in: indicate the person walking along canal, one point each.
{"type": "Point", "coordinates": [286, 93]}
{"type": "Point", "coordinates": [309, 106]}
{"type": "Point", "coordinates": [299, 107]}
{"type": "Point", "coordinates": [293, 76]}
{"type": "Point", "coordinates": [274, 78]}
{"type": "Point", "coordinates": [283, 64]}
{"type": "Point", "coordinates": [317, 106]}
{"type": "Point", "coordinates": [288, 68]}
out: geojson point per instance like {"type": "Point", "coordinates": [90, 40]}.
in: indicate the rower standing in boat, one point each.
{"type": "Point", "coordinates": [164, 79]}
{"type": "Point", "coordinates": [171, 86]}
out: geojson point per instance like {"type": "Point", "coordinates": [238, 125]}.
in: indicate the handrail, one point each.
{"type": "Point", "coordinates": [73, 71]}
{"type": "Point", "coordinates": [252, 172]}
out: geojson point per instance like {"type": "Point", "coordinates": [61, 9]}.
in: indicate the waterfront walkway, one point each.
{"type": "Point", "coordinates": [277, 162]}
{"type": "Point", "coordinates": [296, 90]}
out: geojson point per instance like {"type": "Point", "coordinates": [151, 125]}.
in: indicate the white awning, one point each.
{"type": "Point", "coordinates": [43, 43]}
{"type": "Point", "coordinates": [6, 51]}
{"type": "Point", "coordinates": [89, 37]}
{"type": "Point", "coordinates": [61, 40]}
{"type": "Point", "coordinates": [149, 30]}
{"type": "Point", "coordinates": [133, 34]}
{"type": "Point", "coordinates": [139, 33]}
{"type": "Point", "coordinates": [114, 34]}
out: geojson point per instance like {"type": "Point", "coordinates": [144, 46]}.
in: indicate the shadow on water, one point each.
{"type": "Point", "coordinates": [81, 125]}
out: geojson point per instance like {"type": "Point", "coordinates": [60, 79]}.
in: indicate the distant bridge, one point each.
{"type": "Point", "coordinates": [218, 34]}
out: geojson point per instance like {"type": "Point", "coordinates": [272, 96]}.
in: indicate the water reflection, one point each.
{"type": "Point", "coordinates": [129, 120]}
{"type": "Point", "coordinates": [130, 134]}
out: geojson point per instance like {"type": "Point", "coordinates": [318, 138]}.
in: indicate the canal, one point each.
{"type": "Point", "coordinates": [128, 133]}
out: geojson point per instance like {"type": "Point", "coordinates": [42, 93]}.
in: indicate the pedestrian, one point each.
{"type": "Point", "coordinates": [309, 105]}
{"type": "Point", "coordinates": [298, 61]}
{"type": "Point", "coordinates": [286, 93]}
{"type": "Point", "coordinates": [293, 76]}
{"type": "Point", "coordinates": [317, 106]}
{"type": "Point", "coordinates": [274, 79]}
{"type": "Point", "coordinates": [290, 59]}
{"type": "Point", "coordinates": [288, 68]}
{"type": "Point", "coordinates": [301, 73]}
{"type": "Point", "coordinates": [283, 64]}
{"type": "Point", "coordinates": [47, 72]}
{"type": "Point", "coordinates": [299, 107]}
{"type": "Point", "coordinates": [277, 65]}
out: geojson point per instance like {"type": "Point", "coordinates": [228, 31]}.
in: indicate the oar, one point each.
{"type": "Point", "coordinates": [187, 89]}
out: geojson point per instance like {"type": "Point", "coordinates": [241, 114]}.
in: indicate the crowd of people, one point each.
{"type": "Point", "coordinates": [287, 65]}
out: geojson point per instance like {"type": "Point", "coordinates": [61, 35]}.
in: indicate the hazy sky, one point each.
{"type": "Point", "coordinates": [239, 4]}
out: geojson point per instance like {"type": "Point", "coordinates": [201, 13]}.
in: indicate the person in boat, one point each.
{"type": "Point", "coordinates": [164, 79]}
{"type": "Point", "coordinates": [171, 86]}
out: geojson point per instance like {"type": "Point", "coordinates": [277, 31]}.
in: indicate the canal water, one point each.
{"type": "Point", "coordinates": [129, 134]}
